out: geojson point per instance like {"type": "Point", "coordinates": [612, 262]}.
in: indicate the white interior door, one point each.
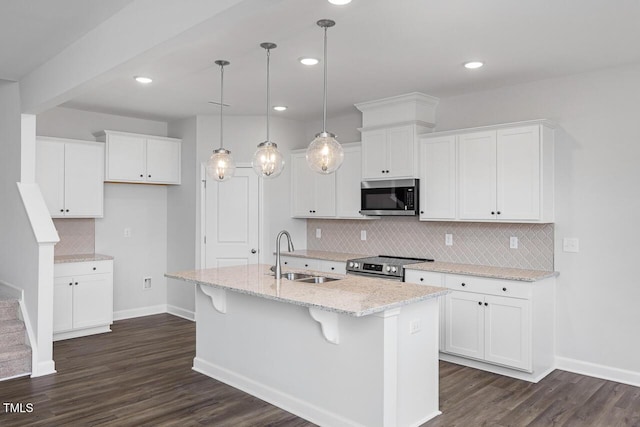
{"type": "Point", "coordinates": [232, 220]}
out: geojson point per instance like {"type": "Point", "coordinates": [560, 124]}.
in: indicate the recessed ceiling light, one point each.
{"type": "Point", "coordinates": [143, 79]}
{"type": "Point", "coordinates": [472, 65]}
{"type": "Point", "coordinates": [280, 107]}
{"type": "Point", "coordinates": [340, 2]}
{"type": "Point", "coordinates": [308, 60]}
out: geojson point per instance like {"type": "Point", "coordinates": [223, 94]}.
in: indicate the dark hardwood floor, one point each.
{"type": "Point", "coordinates": [140, 375]}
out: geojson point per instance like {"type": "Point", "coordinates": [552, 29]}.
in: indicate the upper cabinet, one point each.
{"type": "Point", "coordinates": [500, 173]}
{"type": "Point", "coordinates": [390, 129]}
{"type": "Point", "coordinates": [139, 158]}
{"type": "Point", "coordinates": [70, 174]}
{"type": "Point", "coordinates": [335, 195]}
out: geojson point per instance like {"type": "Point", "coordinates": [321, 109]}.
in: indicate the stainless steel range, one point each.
{"type": "Point", "coordinates": [382, 266]}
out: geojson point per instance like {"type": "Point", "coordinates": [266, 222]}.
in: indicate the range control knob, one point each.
{"type": "Point", "coordinates": [388, 268]}
{"type": "Point", "coordinates": [394, 269]}
{"type": "Point", "coordinates": [356, 265]}
{"type": "Point", "coordinates": [350, 264]}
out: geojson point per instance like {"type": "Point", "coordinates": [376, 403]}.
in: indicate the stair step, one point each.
{"type": "Point", "coordinates": [15, 361]}
{"type": "Point", "coordinates": [8, 309]}
{"type": "Point", "coordinates": [12, 332]}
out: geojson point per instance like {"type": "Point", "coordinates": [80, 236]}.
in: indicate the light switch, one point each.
{"type": "Point", "coordinates": [363, 234]}
{"type": "Point", "coordinates": [513, 242]}
{"type": "Point", "coordinates": [448, 239]}
{"type": "Point", "coordinates": [571, 244]}
{"type": "Point", "coordinates": [127, 232]}
{"type": "Point", "coordinates": [318, 233]}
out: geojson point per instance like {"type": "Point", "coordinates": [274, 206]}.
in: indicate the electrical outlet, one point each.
{"type": "Point", "coordinates": [318, 233]}
{"type": "Point", "coordinates": [415, 326]}
{"type": "Point", "coordinates": [363, 234]}
{"type": "Point", "coordinates": [513, 242]}
{"type": "Point", "coordinates": [448, 239]}
{"type": "Point", "coordinates": [127, 232]}
{"type": "Point", "coordinates": [571, 244]}
{"type": "Point", "coordinates": [146, 283]}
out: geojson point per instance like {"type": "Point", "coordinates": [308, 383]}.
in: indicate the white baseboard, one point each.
{"type": "Point", "coordinates": [513, 373]}
{"type": "Point", "coordinates": [139, 312]}
{"type": "Point", "coordinates": [598, 371]}
{"type": "Point", "coordinates": [181, 312]}
{"type": "Point", "coordinates": [289, 403]}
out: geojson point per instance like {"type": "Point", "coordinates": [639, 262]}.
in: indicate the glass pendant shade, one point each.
{"type": "Point", "coordinates": [267, 161]}
{"type": "Point", "coordinates": [220, 165]}
{"type": "Point", "coordinates": [325, 154]}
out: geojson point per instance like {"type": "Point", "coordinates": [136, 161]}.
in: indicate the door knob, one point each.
{"type": "Point", "coordinates": [253, 251]}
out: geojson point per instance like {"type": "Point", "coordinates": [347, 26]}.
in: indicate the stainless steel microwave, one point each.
{"type": "Point", "coordinates": [389, 197]}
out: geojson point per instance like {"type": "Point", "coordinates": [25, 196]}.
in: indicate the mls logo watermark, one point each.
{"type": "Point", "coordinates": [18, 408]}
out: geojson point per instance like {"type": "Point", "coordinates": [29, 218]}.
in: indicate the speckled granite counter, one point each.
{"type": "Point", "coordinates": [352, 295]}
{"type": "Point", "coordinates": [80, 258]}
{"type": "Point", "coordinates": [484, 271]}
{"type": "Point", "coordinates": [325, 255]}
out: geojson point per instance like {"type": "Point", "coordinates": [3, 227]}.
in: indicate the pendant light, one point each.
{"type": "Point", "coordinates": [267, 161]}
{"type": "Point", "coordinates": [325, 154]}
{"type": "Point", "coordinates": [220, 165]}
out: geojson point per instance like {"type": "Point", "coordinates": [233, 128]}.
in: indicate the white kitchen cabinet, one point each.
{"type": "Point", "coordinates": [82, 298]}
{"type": "Point", "coordinates": [136, 158]}
{"type": "Point", "coordinates": [70, 174]}
{"type": "Point", "coordinates": [322, 265]}
{"type": "Point", "coordinates": [506, 174]}
{"type": "Point", "coordinates": [438, 168]}
{"type": "Point", "coordinates": [313, 195]}
{"type": "Point", "coordinates": [389, 153]}
{"type": "Point", "coordinates": [348, 179]}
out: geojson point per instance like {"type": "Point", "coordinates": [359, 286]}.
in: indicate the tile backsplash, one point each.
{"type": "Point", "coordinates": [77, 236]}
{"type": "Point", "coordinates": [473, 243]}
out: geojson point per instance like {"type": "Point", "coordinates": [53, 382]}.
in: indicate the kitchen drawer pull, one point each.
{"type": "Point", "coordinates": [479, 302]}
{"type": "Point", "coordinates": [71, 284]}
{"type": "Point", "coordinates": [94, 268]}
{"type": "Point", "coordinates": [422, 279]}
{"type": "Point", "coordinates": [504, 289]}
{"type": "Point", "coordinates": [463, 284]}
{"type": "Point", "coordinates": [486, 303]}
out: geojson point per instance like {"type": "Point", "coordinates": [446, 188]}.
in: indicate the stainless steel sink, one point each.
{"type": "Point", "coordinates": [296, 276]}
{"type": "Point", "coordinates": [317, 279]}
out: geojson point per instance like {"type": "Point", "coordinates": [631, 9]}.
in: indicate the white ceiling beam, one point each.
{"type": "Point", "coordinates": [144, 29]}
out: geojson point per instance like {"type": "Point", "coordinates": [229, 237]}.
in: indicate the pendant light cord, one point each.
{"type": "Point", "coordinates": [324, 112]}
{"type": "Point", "coordinates": [268, 93]}
{"type": "Point", "coordinates": [221, 101]}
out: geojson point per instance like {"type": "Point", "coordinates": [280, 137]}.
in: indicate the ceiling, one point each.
{"type": "Point", "coordinates": [378, 48]}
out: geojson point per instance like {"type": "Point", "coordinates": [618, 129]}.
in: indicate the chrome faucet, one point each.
{"type": "Point", "coordinates": [278, 271]}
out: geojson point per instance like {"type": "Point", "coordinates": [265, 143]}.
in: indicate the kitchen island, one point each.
{"type": "Point", "coordinates": [351, 352]}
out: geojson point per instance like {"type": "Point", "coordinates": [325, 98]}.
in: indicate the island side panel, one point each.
{"type": "Point", "coordinates": [276, 351]}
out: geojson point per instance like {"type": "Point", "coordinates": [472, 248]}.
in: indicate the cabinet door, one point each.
{"type": "Point", "coordinates": [84, 180]}
{"type": "Point", "coordinates": [518, 173]}
{"type": "Point", "coordinates": [50, 174]}
{"type": "Point", "coordinates": [464, 327]}
{"type": "Point", "coordinates": [400, 152]}
{"type": "Point", "coordinates": [374, 154]}
{"type": "Point", "coordinates": [126, 158]}
{"type": "Point", "coordinates": [93, 301]}
{"type": "Point", "coordinates": [325, 195]}
{"type": "Point", "coordinates": [333, 267]}
{"type": "Point", "coordinates": [508, 332]}
{"type": "Point", "coordinates": [302, 187]}
{"type": "Point", "coordinates": [163, 161]}
{"type": "Point", "coordinates": [438, 178]}
{"type": "Point", "coordinates": [477, 175]}
{"type": "Point", "coordinates": [348, 179]}
{"type": "Point", "coordinates": [62, 304]}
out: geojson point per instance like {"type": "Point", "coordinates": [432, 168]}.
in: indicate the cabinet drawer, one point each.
{"type": "Point", "coordinates": [82, 268]}
{"type": "Point", "coordinates": [333, 267]}
{"type": "Point", "coordinates": [423, 277]}
{"type": "Point", "coordinates": [507, 288]}
{"type": "Point", "coordinates": [301, 263]}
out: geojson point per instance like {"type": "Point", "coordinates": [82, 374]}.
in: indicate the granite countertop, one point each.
{"type": "Point", "coordinates": [483, 271]}
{"type": "Point", "coordinates": [59, 259]}
{"type": "Point", "coordinates": [325, 255]}
{"type": "Point", "coordinates": [351, 295]}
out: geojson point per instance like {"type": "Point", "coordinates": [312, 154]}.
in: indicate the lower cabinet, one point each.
{"type": "Point", "coordinates": [502, 326]}
{"type": "Point", "coordinates": [82, 298]}
{"type": "Point", "coordinates": [323, 265]}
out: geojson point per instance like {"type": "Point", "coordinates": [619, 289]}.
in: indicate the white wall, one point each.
{"type": "Point", "coordinates": [597, 201]}
{"type": "Point", "coordinates": [143, 208]}
{"type": "Point", "coordinates": [345, 127]}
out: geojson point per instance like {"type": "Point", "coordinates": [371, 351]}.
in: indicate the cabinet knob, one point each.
{"type": "Point", "coordinates": [286, 262]}
{"type": "Point", "coordinates": [71, 284]}
{"type": "Point", "coordinates": [66, 210]}
{"type": "Point", "coordinates": [149, 176]}
{"type": "Point", "coordinates": [498, 212]}
{"type": "Point", "coordinates": [387, 171]}
{"type": "Point", "coordinates": [94, 269]}
{"type": "Point", "coordinates": [333, 268]}
{"type": "Point", "coordinates": [76, 283]}
{"type": "Point", "coordinates": [141, 176]}
{"type": "Point", "coordinates": [422, 279]}
{"type": "Point", "coordinates": [493, 213]}
{"type": "Point", "coordinates": [306, 265]}
{"type": "Point", "coordinates": [421, 212]}
{"type": "Point", "coordinates": [479, 302]}
{"type": "Point", "coordinates": [61, 210]}
{"type": "Point", "coordinates": [504, 289]}
{"type": "Point", "coordinates": [382, 171]}
{"type": "Point", "coordinates": [486, 303]}
{"type": "Point", "coordinates": [463, 284]}
{"type": "Point", "coordinates": [253, 251]}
